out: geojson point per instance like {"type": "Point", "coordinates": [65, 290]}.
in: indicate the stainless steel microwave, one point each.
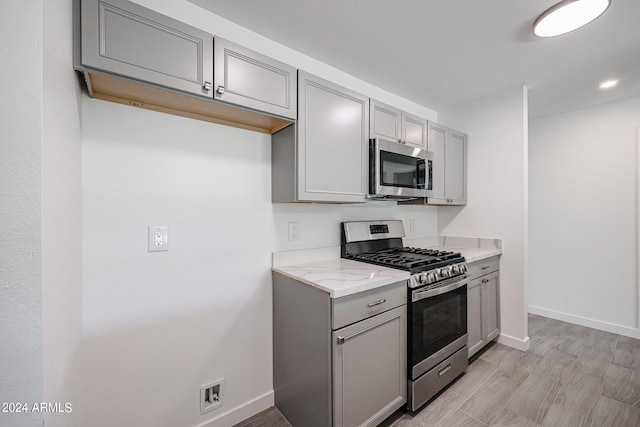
{"type": "Point", "coordinates": [399, 171]}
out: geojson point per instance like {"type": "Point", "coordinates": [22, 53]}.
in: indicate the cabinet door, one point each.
{"type": "Point", "coordinates": [474, 317]}
{"type": "Point", "coordinates": [247, 78]}
{"type": "Point", "coordinates": [491, 314]}
{"type": "Point", "coordinates": [369, 369]}
{"type": "Point", "coordinates": [436, 144]}
{"type": "Point", "coordinates": [414, 130]}
{"type": "Point", "coordinates": [333, 125]}
{"type": "Point", "coordinates": [455, 180]}
{"type": "Point", "coordinates": [126, 39]}
{"type": "Point", "coordinates": [386, 121]}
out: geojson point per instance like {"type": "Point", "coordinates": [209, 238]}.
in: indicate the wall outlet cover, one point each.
{"type": "Point", "coordinates": [211, 396]}
{"type": "Point", "coordinates": [158, 238]}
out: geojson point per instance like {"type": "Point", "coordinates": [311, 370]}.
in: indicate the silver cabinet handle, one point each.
{"type": "Point", "coordinates": [444, 370]}
{"type": "Point", "coordinates": [484, 268]}
{"type": "Point", "coordinates": [341, 340]}
{"type": "Point", "coordinates": [207, 85]}
{"type": "Point", "coordinates": [373, 304]}
{"type": "Point", "coordinates": [221, 90]}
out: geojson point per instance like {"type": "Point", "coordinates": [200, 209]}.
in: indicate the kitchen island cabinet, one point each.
{"type": "Point", "coordinates": [392, 123]}
{"type": "Point", "coordinates": [322, 157]}
{"type": "Point", "coordinates": [338, 361]}
{"type": "Point", "coordinates": [483, 317]}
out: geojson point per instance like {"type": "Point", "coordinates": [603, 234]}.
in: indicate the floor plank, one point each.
{"type": "Point", "coordinates": [571, 376]}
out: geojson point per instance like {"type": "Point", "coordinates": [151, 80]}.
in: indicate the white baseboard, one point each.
{"type": "Point", "coordinates": [584, 321]}
{"type": "Point", "coordinates": [518, 344]}
{"type": "Point", "coordinates": [242, 412]}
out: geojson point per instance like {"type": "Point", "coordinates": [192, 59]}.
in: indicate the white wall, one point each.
{"type": "Point", "coordinates": [497, 196]}
{"type": "Point", "coordinates": [583, 217]}
{"type": "Point", "coordinates": [61, 216]}
{"type": "Point", "coordinates": [159, 325]}
{"type": "Point", "coordinates": [20, 198]}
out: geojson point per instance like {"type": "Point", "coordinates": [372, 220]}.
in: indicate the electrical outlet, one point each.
{"type": "Point", "coordinates": [211, 396]}
{"type": "Point", "coordinates": [294, 231]}
{"type": "Point", "coordinates": [158, 238]}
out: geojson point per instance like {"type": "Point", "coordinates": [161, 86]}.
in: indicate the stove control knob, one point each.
{"type": "Point", "coordinates": [431, 278]}
{"type": "Point", "coordinates": [422, 279]}
{"type": "Point", "coordinates": [463, 268]}
{"type": "Point", "coordinates": [455, 270]}
{"type": "Point", "coordinates": [445, 272]}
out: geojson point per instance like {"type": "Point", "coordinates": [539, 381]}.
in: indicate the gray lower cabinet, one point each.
{"type": "Point", "coordinates": [389, 122]}
{"type": "Point", "coordinates": [332, 370]}
{"type": "Point", "coordinates": [483, 312]}
{"type": "Point", "coordinates": [322, 157]}
{"type": "Point", "coordinates": [450, 165]}
{"type": "Point", "coordinates": [247, 78]}
{"type": "Point", "coordinates": [126, 39]}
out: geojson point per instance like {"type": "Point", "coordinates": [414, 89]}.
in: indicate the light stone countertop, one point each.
{"type": "Point", "coordinates": [472, 254]}
{"type": "Point", "coordinates": [341, 277]}
{"type": "Point", "coordinates": [323, 269]}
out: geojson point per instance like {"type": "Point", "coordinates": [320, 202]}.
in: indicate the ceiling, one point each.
{"type": "Point", "coordinates": [444, 53]}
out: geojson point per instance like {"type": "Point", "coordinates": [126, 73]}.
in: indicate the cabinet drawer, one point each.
{"type": "Point", "coordinates": [352, 308]}
{"type": "Point", "coordinates": [482, 267]}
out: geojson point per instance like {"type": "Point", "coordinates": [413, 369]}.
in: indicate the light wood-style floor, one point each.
{"type": "Point", "coordinates": [571, 376]}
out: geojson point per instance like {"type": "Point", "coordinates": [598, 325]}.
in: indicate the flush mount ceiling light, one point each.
{"type": "Point", "coordinates": [608, 84]}
{"type": "Point", "coordinates": [568, 15]}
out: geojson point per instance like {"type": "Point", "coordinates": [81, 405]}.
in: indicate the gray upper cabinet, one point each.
{"type": "Point", "coordinates": [123, 38]}
{"type": "Point", "coordinates": [450, 165]}
{"type": "Point", "coordinates": [385, 121]}
{"type": "Point", "coordinates": [247, 78]}
{"type": "Point", "coordinates": [392, 123]}
{"type": "Point", "coordinates": [414, 130]}
{"type": "Point", "coordinates": [323, 157]}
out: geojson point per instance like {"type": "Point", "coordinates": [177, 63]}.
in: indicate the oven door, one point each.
{"type": "Point", "coordinates": [399, 171]}
{"type": "Point", "coordinates": [437, 325]}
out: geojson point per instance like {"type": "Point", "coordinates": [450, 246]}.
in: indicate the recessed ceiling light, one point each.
{"type": "Point", "coordinates": [568, 15]}
{"type": "Point", "coordinates": [608, 84]}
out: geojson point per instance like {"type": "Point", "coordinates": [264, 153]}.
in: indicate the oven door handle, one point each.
{"type": "Point", "coordinates": [418, 295]}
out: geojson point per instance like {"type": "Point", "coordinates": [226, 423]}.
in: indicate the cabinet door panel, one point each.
{"type": "Point", "coordinates": [474, 317]}
{"type": "Point", "coordinates": [333, 124]}
{"type": "Point", "coordinates": [385, 121]}
{"type": "Point", "coordinates": [414, 130]}
{"type": "Point", "coordinates": [491, 307]}
{"type": "Point", "coordinates": [123, 38]}
{"type": "Point", "coordinates": [370, 369]}
{"type": "Point", "coordinates": [437, 138]}
{"type": "Point", "coordinates": [455, 170]}
{"type": "Point", "coordinates": [254, 80]}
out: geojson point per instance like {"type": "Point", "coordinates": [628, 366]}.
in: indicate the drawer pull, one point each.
{"type": "Point", "coordinates": [373, 304]}
{"type": "Point", "coordinates": [484, 268]}
{"type": "Point", "coordinates": [444, 370]}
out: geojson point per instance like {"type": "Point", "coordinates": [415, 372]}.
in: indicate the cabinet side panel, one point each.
{"type": "Point", "coordinates": [283, 165]}
{"type": "Point", "coordinates": [301, 353]}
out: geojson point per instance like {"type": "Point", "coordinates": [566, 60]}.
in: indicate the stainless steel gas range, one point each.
{"type": "Point", "coordinates": [437, 302]}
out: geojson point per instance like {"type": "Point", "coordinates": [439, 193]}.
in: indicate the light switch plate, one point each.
{"type": "Point", "coordinates": [294, 231]}
{"type": "Point", "coordinates": [158, 238]}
